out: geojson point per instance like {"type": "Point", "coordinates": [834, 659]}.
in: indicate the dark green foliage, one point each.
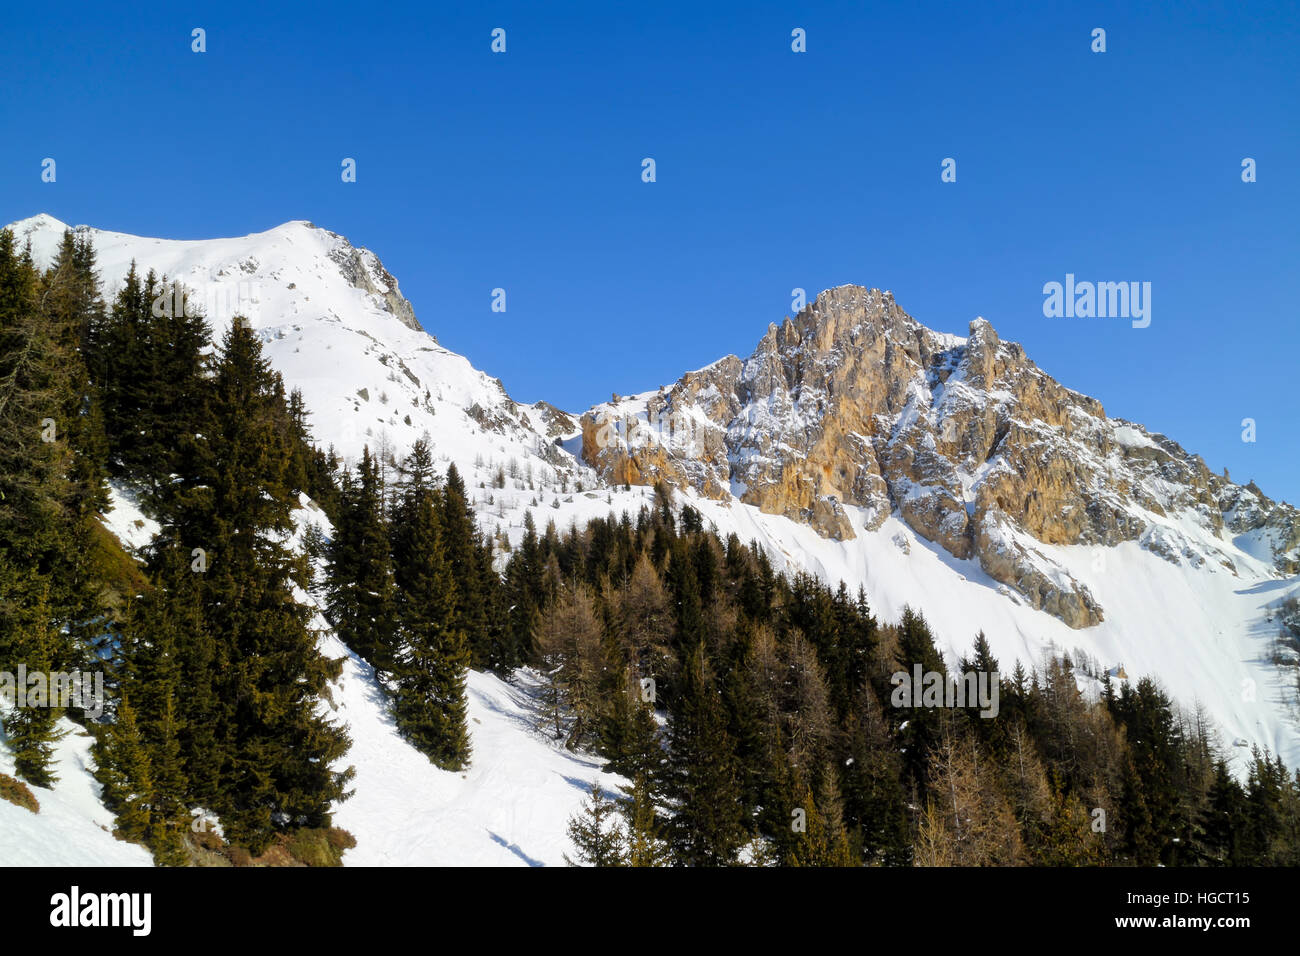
{"type": "Point", "coordinates": [282, 766]}
{"type": "Point", "coordinates": [32, 640]}
{"type": "Point", "coordinates": [219, 675]}
{"type": "Point", "coordinates": [428, 667]}
{"type": "Point", "coordinates": [641, 826]}
{"type": "Point", "coordinates": [1151, 782]}
{"type": "Point", "coordinates": [595, 832]}
{"type": "Point", "coordinates": [707, 827]}
{"type": "Point", "coordinates": [362, 599]}
{"type": "Point", "coordinates": [874, 799]}
{"type": "Point", "coordinates": [51, 483]}
{"type": "Point", "coordinates": [629, 736]}
{"type": "Point", "coordinates": [147, 355]}
{"type": "Point", "coordinates": [460, 538]}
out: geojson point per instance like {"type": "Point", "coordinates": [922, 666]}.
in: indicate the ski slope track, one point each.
{"type": "Point", "coordinates": [1189, 605]}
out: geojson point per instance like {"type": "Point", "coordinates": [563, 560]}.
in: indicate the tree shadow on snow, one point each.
{"type": "Point", "coordinates": [514, 848]}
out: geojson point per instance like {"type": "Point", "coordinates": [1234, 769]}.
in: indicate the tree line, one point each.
{"type": "Point", "coordinates": [754, 714]}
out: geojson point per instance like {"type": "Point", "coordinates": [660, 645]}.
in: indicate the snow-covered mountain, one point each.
{"type": "Point", "coordinates": [335, 324]}
{"type": "Point", "coordinates": [940, 471]}
{"type": "Point", "coordinates": [853, 403]}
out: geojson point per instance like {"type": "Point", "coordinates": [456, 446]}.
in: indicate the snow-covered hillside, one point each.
{"type": "Point", "coordinates": [510, 808]}
{"type": "Point", "coordinates": [335, 325]}
{"type": "Point", "coordinates": [72, 828]}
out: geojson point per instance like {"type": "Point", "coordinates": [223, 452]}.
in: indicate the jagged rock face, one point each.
{"type": "Point", "coordinates": [556, 423]}
{"type": "Point", "coordinates": [363, 269]}
{"type": "Point", "coordinates": [853, 410]}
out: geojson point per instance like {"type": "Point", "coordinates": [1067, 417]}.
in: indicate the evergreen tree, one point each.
{"type": "Point", "coordinates": [523, 597]}
{"type": "Point", "coordinates": [430, 663]}
{"type": "Point", "coordinates": [71, 305]}
{"type": "Point", "coordinates": [123, 770]}
{"type": "Point", "coordinates": [598, 841]}
{"type": "Point", "coordinates": [33, 728]}
{"type": "Point", "coordinates": [707, 822]}
{"type": "Point", "coordinates": [1151, 785]}
{"type": "Point", "coordinates": [45, 507]}
{"type": "Point", "coordinates": [822, 841]}
{"type": "Point", "coordinates": [461, 541]}
{"type": "Point", "coordinates": [149, 355]}
{"type": "Point", "coordinates": [645, 843]}
{"type": "Point", "coordinates": [279, 769]}
{"type": "Point", "coordinates": [1224, 817]}
{"type": "Point", "coordinates": [361, 591]}
{"type": "Point", "coordinates": [152, 668]}
{"type": "Point", "coordinates": [874, 800]}
{"type": "Point", "coordinates": [924, 724]}
{"type": "Point", "coordinates": [629, 736]}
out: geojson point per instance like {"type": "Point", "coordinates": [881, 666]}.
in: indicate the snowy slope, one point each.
{"type": "Point", "coordinates": [1202, 632]}
{"type": "Point", "coordinates": [334, 324]}
{"type": "Point", "coordinates": [72, 827]}
{"type": "Point", "coordinates": [510, 808]}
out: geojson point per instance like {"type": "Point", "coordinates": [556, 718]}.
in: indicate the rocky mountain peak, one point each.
{"type": "Point", "coordinates": [852, 411]}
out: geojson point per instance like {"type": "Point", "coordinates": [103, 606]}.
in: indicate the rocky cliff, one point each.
{"type": "Point", "coordinates": [853, 410]}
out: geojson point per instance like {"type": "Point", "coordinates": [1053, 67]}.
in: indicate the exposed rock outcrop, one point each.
{"type": "Point", "coordinates": [852, 410]}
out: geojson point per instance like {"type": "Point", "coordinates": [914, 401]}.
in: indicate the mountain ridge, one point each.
{"type": "Point", "coordinates": [854, 402]}
{"type": "Point", "coordinates": [901, 411]}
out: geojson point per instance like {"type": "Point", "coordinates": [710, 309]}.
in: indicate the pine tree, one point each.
{"type": "Point", "coordinates": [362, 597]}
{"type": "Point", "coordinates": [749, 710]}
{"type": "Point", "coordinates": [429, 666]}
{"type": "Point", "coordinates": [685, 587]}
{"type": "Point", "coordinates": [924, 724]}
{"type": "Point", "coordinates": [118, 345]}
{"type": "Point", "coordinates": [205, 722]}
{"type": "Point", "coordinates": [148, 353]}
{"type": "Point", "coordinates": [153, 670]}
{"type": "Point", "coordinates": [461, 541]}
{"type": "Point", "coordinates": [123, 770]}
{"type": "Point", "coordinates": [279, 768]}
{"type": "Point", "coordinates": [1067, 838]}
{"type": "Point", "coordinates": [645, 843]}
{"type": "Point", "coordinates": [874, 800]}
{"type": "Point", "coordinates": [71, 305]}
{"type": "Point", "coordinates": [33, 729]}
{"type": "Point", "coordinates": [1270, 812]}
{"type": "Point", "coordinates": [629, 736]}
{"type": "Point", "coordinates": [523, 597]}
{"type": "Point", "coordinates": [1151, 786]}
{"type": "Point", "coordinates": [822, 841]}
{"type": "Point", "coordinates": [707, 821]}
{"type": "Point", "coordinates": [598, 842]}
{"type": "Point", "coordinates": [1224, 816]}
{"type": "Point", "coordinates": [780, 793]}
{"type": "Point", "coordinates": [44, 507]}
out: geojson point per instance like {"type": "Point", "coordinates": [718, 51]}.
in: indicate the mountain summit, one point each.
{"type": "Point", "coordinates": [853, 404]}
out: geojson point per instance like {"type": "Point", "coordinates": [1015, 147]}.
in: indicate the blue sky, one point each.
{"type": "Point", "coordinates": [775, 170]}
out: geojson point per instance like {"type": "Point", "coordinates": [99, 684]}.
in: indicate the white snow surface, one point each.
{"type": "Point", "coordinates": [72, 827]}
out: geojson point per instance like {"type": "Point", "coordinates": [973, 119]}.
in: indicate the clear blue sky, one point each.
{"type": "Point", "coordinates": [775, 170]}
